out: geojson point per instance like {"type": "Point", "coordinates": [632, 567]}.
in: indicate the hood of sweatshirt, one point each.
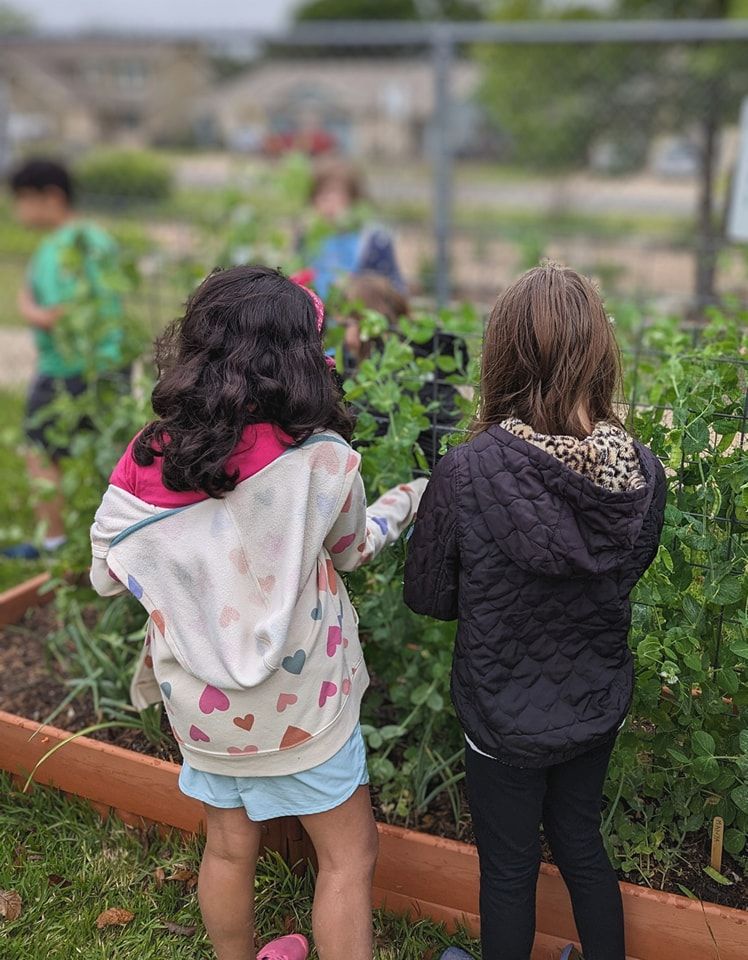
{"type": "Point", "coordinates": [561, 506]}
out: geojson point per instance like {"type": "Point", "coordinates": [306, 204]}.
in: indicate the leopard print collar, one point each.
{"type": "Point", "coordinates": [607, 457]}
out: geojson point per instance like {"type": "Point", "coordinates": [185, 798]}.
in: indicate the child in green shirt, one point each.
{"type": "Point", "coordinates": [70, 342]}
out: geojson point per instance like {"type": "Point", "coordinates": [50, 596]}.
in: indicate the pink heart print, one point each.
{"type": "Point", "coordinates": [246, 722]}
{"type": "Point", "coordinates": [344, 543]}
{"type": "Point", "coordinates": [327, 690]}
{"type": "Point", "coordinates": [332, 577]}
{"type": "Point", "coordinates": [239, 560]}
{"type": "Point", "coordinates": [352, 463]}
{"type": "Point", "coordinates": [228, 616]}
{"type": "Point", "coordinates": [334, 639]}
{"type": "Point", "coordinates": [326, 457]}
{"type": "Point", "coordinates": [197, 734]}
{"type": "Point", "coordinates": [250, 748]}
{"type": "Point", "coordinates": [321, 578]}
{"type": "Point", "coordinates": [286, 700]}
{"type": "Point", "coordinates": [213, 699]}
{"type": "Point", "coordinates": [267, 583]}
{"type": "Point", "coordinates": [346, 687]}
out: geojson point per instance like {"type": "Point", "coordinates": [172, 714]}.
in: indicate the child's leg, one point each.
{"type": "Point", "coordinates": [227, 882]}
{"type": "Point", "coordinates": [506, 804]}
{"type": "Point", "coordinates": [345, 840]}
{"type": "Point", "coordinates": [571, 818]}
{"type": "Point", "coordinates": [48, 509]}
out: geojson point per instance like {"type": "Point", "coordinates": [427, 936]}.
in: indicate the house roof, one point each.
{"type": "Point", "coordinates": [401, 87]}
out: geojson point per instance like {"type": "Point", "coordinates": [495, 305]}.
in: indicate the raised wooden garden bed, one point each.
{"type": "Point", "coordinates": [417, 874]}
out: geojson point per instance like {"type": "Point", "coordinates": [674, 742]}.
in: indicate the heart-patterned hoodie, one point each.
{"type": "Point", "coordinates": [252, 641]}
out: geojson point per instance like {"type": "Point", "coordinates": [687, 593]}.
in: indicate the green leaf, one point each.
{"type": "Point", "coordinates": [743, 741]}
{"type": "Point", "coordinates": [717, 877]}
{"type": "Point", "coordinates": [739, 797]}
{"type": "Point", "coordinates": [391, 732]}
{"type": "Point", "coordinates": [705, 769]}
{"type": "Point", "coordinates": [664, 557]}
{"type": "Point", "coordinates": [420, 695]}
{"type": "Point", "coordinates": [728, 680]}
{"type": "Point", "coordinates": [727, 590]}
{"type": "Point", "coordinates": [740, 649]}
{"type": "Point", "coordinates": [696, 437]}
{"type": "Point", "coordinates": [687, 893]}
{"type": "Point", "coordinates": [703, 743]}
{"type": "Point", "coordinates": [435, 702]}
{"type": "Point", "coordinates": [734, 841]}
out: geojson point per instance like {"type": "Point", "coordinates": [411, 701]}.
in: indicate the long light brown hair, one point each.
{"type": "Point", "coordinates": [550, 356]}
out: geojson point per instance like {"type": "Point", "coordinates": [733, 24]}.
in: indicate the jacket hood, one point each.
{"type": "Point", "coordinates": [558, 506]}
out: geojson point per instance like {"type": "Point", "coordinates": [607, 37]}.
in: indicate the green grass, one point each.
{"type": "Point", "coordinates": [518, 225]}
{"type": "Point", "coordinates": [68, 866]}
{"type": "Point", "coordinates": [11, 279]}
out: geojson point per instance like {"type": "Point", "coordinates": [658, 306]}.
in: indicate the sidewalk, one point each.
{"type": "Point", "coordinates": [16, 358]}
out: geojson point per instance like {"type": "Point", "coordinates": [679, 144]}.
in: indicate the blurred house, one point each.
{"type": "Point", "coordinates": [79, 91]}
{"type": "Point", "coordinates": [365, 106]}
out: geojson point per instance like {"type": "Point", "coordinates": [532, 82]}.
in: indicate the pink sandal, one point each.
{"type": "Point", "coordinates": [293, 947]}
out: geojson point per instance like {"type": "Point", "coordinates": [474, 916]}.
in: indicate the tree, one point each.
{"type": "Point", "coordinates": [390, 10]}
{"type": "Point", "coordinates": [558, 102]}
{"type": "Point", "coordinates": [14, 22]}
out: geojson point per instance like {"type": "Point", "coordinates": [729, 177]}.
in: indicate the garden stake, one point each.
{"type": "Point", "coordinates": [718, 836]}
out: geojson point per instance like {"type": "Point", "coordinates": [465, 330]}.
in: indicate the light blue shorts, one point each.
{"type": "Point", "coordinates": [295, 795]}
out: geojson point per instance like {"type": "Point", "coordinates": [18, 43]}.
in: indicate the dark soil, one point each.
{"type": "Point", "coordinates": [31, 686]}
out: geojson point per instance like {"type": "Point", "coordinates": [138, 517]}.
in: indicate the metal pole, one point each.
{"type": "Point", "coordinates": [5, 149]}
{"type": "Point", "coordinates": [442, 51]}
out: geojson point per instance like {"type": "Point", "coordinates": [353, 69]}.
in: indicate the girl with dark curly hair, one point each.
{"type": "Point", "coordinates": [229, 517]}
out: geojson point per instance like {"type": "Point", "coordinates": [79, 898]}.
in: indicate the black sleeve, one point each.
{"type": "Point", "coordinates": [648, 543]}
{"type": "Point", "coordinates": [432, 567]}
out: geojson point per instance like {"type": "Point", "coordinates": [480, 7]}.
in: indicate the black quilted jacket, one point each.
{"type": "Point", "coordinates": [536, 562]}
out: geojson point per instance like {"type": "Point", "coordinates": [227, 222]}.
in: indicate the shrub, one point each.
{"type": "Point", "coordinates": [115, 176]}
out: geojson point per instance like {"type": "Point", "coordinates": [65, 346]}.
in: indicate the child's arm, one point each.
{"type": "Point", "coordinates": [103, 530]}
{"type": "Point", "coordinates": [359, 534]}
{"type": "Point", "coordinates": [432, 566]}
{"type": "Point", "coordinates": [648, 542]}
{"type": "Point", "coordinates": [42, 317]}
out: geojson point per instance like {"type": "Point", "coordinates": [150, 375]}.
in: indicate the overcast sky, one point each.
{"type": "Point", "coordinates": [182, 15]}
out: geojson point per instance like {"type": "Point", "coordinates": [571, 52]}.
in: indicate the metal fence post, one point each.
{"type": "Point", "coordinates": [5, 149]}
{"type": "Point", "coordinates": [442, 56]}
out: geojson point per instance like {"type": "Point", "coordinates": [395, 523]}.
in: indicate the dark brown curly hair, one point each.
{"type": "Point", "coordinates": [247, 350]}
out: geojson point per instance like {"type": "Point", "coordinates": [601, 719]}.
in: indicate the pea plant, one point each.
{"type": "Point", "coordinates": [683, 759]}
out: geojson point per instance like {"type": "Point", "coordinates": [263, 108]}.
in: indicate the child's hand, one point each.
{"type": "Point", "coordinates": [42, 317]}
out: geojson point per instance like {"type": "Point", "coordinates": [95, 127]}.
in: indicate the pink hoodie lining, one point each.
{"type": "Point", "coordinates": [261, 444]}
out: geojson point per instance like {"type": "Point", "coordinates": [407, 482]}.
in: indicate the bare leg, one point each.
{"type": "Point", "coordinates": [345, 840]}
{"type": "Point", "coordinates": [227, 882]}
{"type": "Point", "coordinates": [48, 508]}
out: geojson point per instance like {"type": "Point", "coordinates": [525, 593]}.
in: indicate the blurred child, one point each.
{"type": "Point", "coordinates": [372, 291]}
{"type": "Point", "coordinates": [532, 536]}
{"type": "Point", "coordinates": [43, 200]}
{"type": "Point", "coordinates": [228, 517]}
{"type": "Point", "coordinates": [346, 245]}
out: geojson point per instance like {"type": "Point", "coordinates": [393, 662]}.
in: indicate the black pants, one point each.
{"type": "Point", "coordinates": [44, 390]}
{"type": "Point", "coordinates": [508, 805]}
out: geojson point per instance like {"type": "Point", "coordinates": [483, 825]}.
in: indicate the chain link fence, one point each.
{"type": "Point", "coordinates": [486, 146]}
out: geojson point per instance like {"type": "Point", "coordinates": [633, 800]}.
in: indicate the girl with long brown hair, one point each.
{"type": "Point", "coordinates": [532, 536]}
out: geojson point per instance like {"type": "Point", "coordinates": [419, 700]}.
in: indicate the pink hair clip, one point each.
{"type": "Point", "coordinates": [301, 279]}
